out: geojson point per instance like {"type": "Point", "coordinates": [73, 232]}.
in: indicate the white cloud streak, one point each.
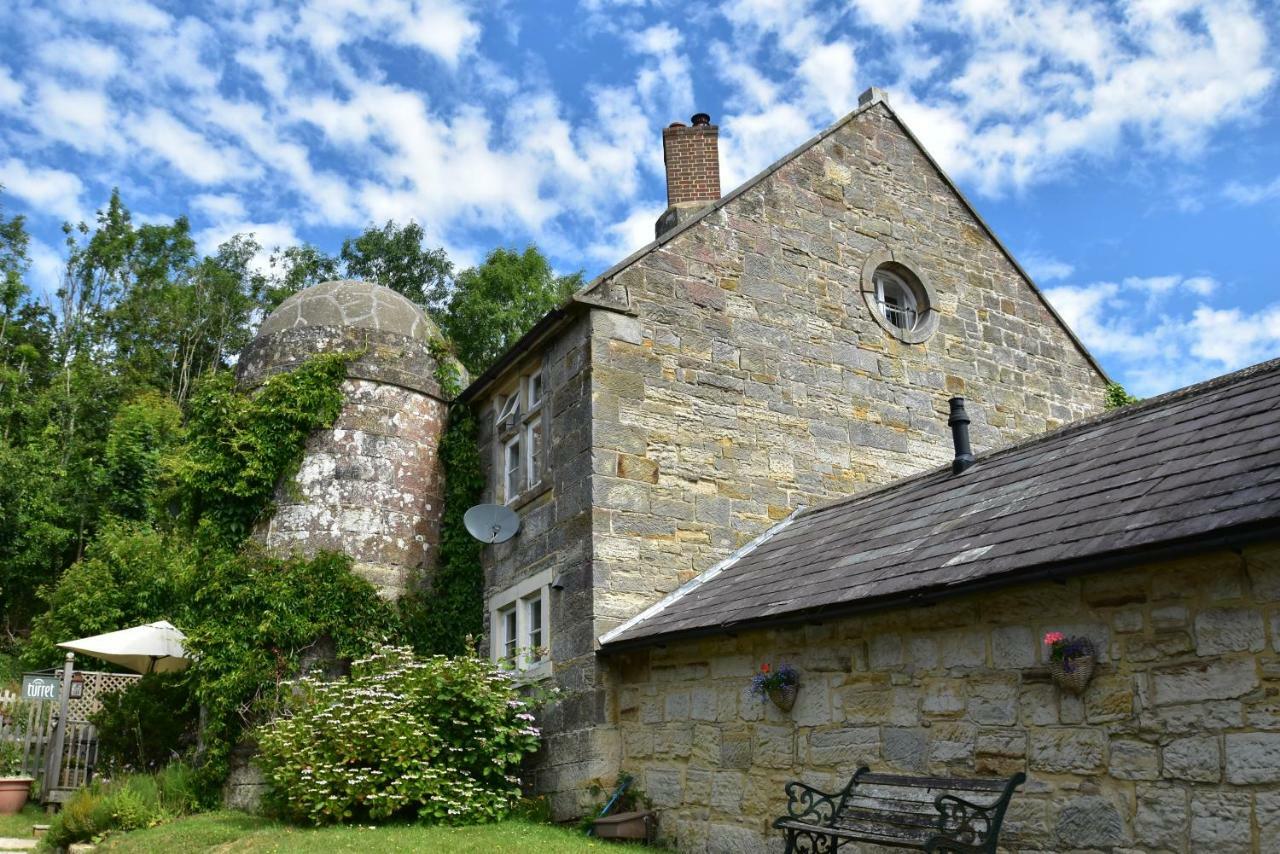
{"type": "Point", "coordinates": [49, 190]}
{"type": "Point", "coordinates": [1136, 325]}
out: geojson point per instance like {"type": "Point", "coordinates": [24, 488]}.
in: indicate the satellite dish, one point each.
{"type": "Point", "coordinates": [491, 523]}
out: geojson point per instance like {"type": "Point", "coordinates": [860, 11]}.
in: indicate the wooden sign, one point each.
{"type": "Point", "coordinates": [40, 687]}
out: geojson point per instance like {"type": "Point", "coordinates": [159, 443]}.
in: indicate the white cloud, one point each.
{"type": "Point", "coordinates": [225, 207]}
{"type": "Point", "coordinates": [1252, 194]}
{"type": "Point", "coordinates": [80, 117]}
{"type": "Point", "coordinates": [442, 28]}
{"type": "Point", "coordinates": [49, 191]}
{"type": "Point", "coordinates": [665, 84]}
{"type": "Point", "coordinates": [10, 90]}
{"type": "Point", "coordinates": [270, 236]}
{"type": "Point", "coordinates": [891, 15]}
{"type": "Point", "coordinates": [1137, 328]}
{"type": "Point", "coordinates": [131, 13]}
{"type": "Point", "coordinates": [1046, 268]}
{"type": "Point", "coordinates": [622, 238]}
{"type": "Point", "coordinates": [190, 153]}
{"type": "Point", "coordinates": [47, 268]}
{"type": "Point", "coordinates": [87, 58]}
{"type": "Point", "coordinates": [769, 116]}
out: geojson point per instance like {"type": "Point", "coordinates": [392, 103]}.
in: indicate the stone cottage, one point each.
{"type": "Point", "coordinates": [680, 441]}
{"type": "Point", "coordinates": [791, 342]}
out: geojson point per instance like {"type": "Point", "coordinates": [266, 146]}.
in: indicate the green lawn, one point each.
{"type": "Point", "coordinates": [234, 833]}
{"type": "Point", "coordinates": [19, 825]}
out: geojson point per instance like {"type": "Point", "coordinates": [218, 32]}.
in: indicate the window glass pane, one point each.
{"type": "Point", "coordinates": [897, 300]}
{"type": "Point", "coordinates": [535, 626]}
{"type": "Point", "coordinates": [535, 389]}
{"type": "Point", "coordinates": [535, 451]}
{"type": "Point", "coordinates": [509, 634]}
{"type": "Point", "coordinates": [510, 407]}
{"type": "Point", "coordinates": [511, 469]}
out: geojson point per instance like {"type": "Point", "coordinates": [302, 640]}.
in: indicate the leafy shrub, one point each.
{"type": "Point", "coordinates": [77, 820]}
{"type": "Point", "coordinates": [257, 615]}
{"type": "Point", "coordinates": [438, 738]}
{"type": "Point", "coordinates": [1117, 397]}
{"type": "Point", "coordinates": [10, 758]}
{"type": "Point", "coordinates": [179, 788]}
{"type": "Point", "coordinates": [130, 802]}
{"type": "Point", "coordinates": [146, 725]}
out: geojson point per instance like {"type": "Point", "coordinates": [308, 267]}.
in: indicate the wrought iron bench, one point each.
{"type": "Point", "coordinates": [933, 814]}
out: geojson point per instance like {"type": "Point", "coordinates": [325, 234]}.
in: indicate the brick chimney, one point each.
{"type": "Point", "coordinates": [692, 155]}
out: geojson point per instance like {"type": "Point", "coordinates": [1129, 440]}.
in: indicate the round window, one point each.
{"type": "Point", "coordinates": [897, 300]}
{"type": "Point", "coordinates": [900, 300]}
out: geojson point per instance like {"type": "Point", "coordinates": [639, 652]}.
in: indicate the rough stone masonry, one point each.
{"type": "Point", "coordinates": [1174, 747]}
{"type": "Point", "coordinates": [709, 385]}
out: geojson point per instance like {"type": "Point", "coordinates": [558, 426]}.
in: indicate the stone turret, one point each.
{"type": "Point", "coordinates": [370, 485]}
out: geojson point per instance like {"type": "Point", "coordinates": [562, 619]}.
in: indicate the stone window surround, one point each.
{"type": "Point", "coordinates": [518, 596]}
{"type": "Point", "coordinates": [900, 262]}
{"type": "Point", "coordinates": [521, 383]}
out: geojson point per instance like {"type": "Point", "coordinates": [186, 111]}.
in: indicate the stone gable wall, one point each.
{"type": "Point", "coordinates": [755, 377]}
{"type": "Point", "coordinates": [1175, 746]}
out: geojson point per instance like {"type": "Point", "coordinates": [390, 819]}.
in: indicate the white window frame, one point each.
{"type": "Point", "coordinates": [512, 477]}
{"type": "Point", "coordinates": [518, 414]}
{"type": "Point", "coordinates": [520, 596]}
{"type": "Point", "coordinates": [912, 302]}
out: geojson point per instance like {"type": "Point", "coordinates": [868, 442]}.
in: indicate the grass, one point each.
{"type": "Point", "coordinates": [237, 833]}
{"type": "Point", "coordinates": [19, 825]}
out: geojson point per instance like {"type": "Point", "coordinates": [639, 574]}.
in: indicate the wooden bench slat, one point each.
{"type": "Point", "coordinates": [923, 797]}
{"type": "Point", "coordinates": [899, 811]}
{"type": "Point", "coordinates": [890, 805]}
{"type": "Point", "coordinates": [960, 784]}
{"type": "Point", "coordinates": [868, 833]}
{"type": "Point", "coordinates": [903, 819]}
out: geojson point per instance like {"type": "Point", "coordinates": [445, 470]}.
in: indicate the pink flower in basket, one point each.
{"type": "Point", "coordinates": [1052, 638]}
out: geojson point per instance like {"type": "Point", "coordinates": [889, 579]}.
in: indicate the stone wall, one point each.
{"type": "Point", "coordinates": [1175, 746]}
{"type": "Point", "coordinates": [555, 532]}
{"type": "Point", "coordinates": [755, 377]}
{"type": "Point", "coordinates": [370, 486]}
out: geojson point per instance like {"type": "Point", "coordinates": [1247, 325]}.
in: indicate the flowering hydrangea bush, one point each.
{"type": "Point", "coordinates": [439, 738]}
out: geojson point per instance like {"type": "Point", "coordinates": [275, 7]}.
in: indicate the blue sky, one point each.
{"type": "Point", "coordinates": [1128, 154]}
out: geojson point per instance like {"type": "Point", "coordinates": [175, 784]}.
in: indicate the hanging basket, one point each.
{"type": "Point", "coordinates": [783, 696]}
{"type": "Point", "coordinates": [1073, 674]}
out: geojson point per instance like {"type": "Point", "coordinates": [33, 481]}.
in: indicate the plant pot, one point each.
{"type": "Point", "coordinates": [783, 696]}
{"type": "Point", "coordinates": [1073, 674]}
{"type": "Point", "coordinates": [624, 825]}
{"type": "Point", "coordinates": [14, 792]}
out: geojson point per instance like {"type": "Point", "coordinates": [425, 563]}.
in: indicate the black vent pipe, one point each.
{"type": "Point", "coordinates": [959, 422]}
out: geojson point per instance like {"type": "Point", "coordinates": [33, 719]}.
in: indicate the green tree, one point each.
{"type": "Point", "coordinates": [490, 306]}
{"type": "Point", "coordinates": [144, 433]}
{"type": "Point", "coordinates": [393, 256]}
{"type": "Point", "coordinates": [130, 574]}
{"type": "Point", "coordinates": [294, 268]}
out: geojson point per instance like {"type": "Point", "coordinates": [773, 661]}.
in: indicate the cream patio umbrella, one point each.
{"type": "Point", "coordinates": [151, 648]}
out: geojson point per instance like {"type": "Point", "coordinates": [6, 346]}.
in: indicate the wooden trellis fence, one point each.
{"type": "Point", "coordinates": [32, 724]}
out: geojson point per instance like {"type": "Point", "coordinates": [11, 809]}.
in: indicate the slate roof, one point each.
{"type": "Point", "coordinates": [1187, 470]}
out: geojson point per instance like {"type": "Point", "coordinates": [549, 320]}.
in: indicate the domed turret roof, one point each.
{"type": "Point", "coordinates": [388, 336]}
{"type": "Point", "coordinates": [350, 304]}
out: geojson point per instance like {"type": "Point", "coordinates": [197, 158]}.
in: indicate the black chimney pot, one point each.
{"type": "Point", "coordinates": [959, 422]}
